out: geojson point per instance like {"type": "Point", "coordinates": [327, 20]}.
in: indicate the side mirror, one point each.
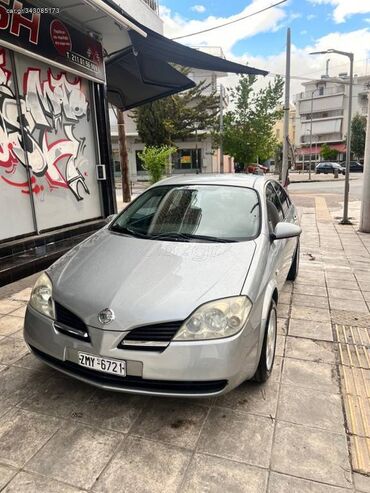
{"type": "Point", "coordinates": [285, 230]}
{"type": "Point", "coordinates": [110, 218]}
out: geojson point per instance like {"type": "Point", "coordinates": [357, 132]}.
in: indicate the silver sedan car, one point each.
{"type": "Point", "coordinates": [177, 295]}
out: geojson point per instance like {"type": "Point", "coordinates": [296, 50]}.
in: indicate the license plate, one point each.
{"type": "Point", "coordinates": [105, 365]}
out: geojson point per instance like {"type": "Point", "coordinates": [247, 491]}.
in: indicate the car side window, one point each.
{"type": "Point", "coordinates": [274, 209]}
{"type": "Point", "coordinates": [283, 197]}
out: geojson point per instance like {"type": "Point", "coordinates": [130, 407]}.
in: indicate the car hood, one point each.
{"type": "Point", "coordinates": [146, 281]}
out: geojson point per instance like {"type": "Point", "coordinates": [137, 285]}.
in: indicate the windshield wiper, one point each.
{"type": "Point", "coordinates": [188, 237]}
{"type": "Point", "coordinates": [128, 231]}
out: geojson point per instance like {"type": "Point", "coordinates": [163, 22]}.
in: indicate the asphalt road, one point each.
{"type": "Point", "coordinates": [333, 191]}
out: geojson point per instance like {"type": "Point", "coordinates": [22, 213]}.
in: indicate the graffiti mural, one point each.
{"type": "Point", "coordinates": [52, 107]}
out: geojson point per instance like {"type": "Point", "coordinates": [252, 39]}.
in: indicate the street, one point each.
{"type": "Point", "coordinates": [305, 430]}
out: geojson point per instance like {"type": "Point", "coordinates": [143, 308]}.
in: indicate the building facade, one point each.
{"type": "Point", "coordinates": [326, 100]}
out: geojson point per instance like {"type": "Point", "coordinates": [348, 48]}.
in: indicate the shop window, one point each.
{"type": "Point", "coordinates": [187, 159]}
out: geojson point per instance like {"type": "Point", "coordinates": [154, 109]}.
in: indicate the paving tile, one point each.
{"type": "Point", "coordinates": [173, 421]}
{"type": "Point", "coordinates": [283, 310]}
{"type": "Point", "coordinates": [22, 434]}
{"type": "Point", "coordinates": [11, 350]}
{"type": "Point", "coordinates": [285, 297]}
{"type": "Point", "coordinates": [216, 475]}
{"type": "Point", "coordinates": [25, 482]}
{"type": "Point", "coordinates": [340, 275]}
{"type": "Point", "coordinates": [18, 383]}
{"type": "Point", "coordinates": [60, 396]}
{"type": "Point", "coordinates": [318, 455]}
{"type": "Point", "coordinates": [110, 410]}
{"type": "Point", "coordinates": [366, 295]}
{"type": "Point", "coordinates": [311, 301]}
{"type": "Point", "coordinates": [364, 285]}
{"type": "Point", "coordinates": [349, 305]}
{"type": "Point", "coordinates": [10, 324]}
{"type": "Point", "coordinates": [280, 483]}
{"type": "Point", "coordinates": [312, 350]}
{"type": "Point", "coordinates": [30, 362]}
{"type": "Point", "coordinates": [252, 397]}
{"type": "Point", "coordinates": [144, 466]}
{"type": "Point", "coordinates": [280, 345]}
{"type": "Point", "coordinates": [20, 312]}
{"type": "Point", "coordinates": [310, 329]}
{"type": "Point", "coordinates": [319, 376]}
{"type": "Point", "coordinates": [311, 408]}
{"type": "Point", "coordinates": [7, 306]}
{"type": "Point", "coordinates": [76, 454]}
{"type": "Point", "coordinates": [334, 283]}
{"type": "Point", "coordinates": [345, 294]}
{"type": "Point", "coordinates": [319, 282]}
{"type": "Point", "coordinates": [6, 474]}
{"type": "Point", "coordinates": [23, 295]}
{"type": "Point", "coordinates": [233, 435]}
{"type": "Point", "coordinates": [282, 326]}
{"type": "Point", "coordinates": [307, 313]}
{"type": "Point", "coordinates": [362, 483]}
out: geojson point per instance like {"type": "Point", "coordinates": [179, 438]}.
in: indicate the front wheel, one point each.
{"type": "Point", "coordinates": [267, 357]}
{"type": "Point", "coordinates": [294, 268]}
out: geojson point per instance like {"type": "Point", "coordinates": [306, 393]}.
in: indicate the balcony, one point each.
{"type": "Point", "coordinates": [332, 137]}
{"type": "Point", "coordinates": [328, 91]}
{"type": "Point", "coordinates": [320, 115]}
{"type": "Point", "coordinates": [153, 4]}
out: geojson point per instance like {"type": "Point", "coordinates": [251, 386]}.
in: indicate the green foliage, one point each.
{"type": "Point", "coordinates": [327, 153]}
{"type": "Point", "coordinates": [176, 117]}
{"type": "Point", "coordinates": [358, 135]}
{"type": "Point", "coordinates": [248, 128]}
{"type": "Point", "coordinates": [155, 160]}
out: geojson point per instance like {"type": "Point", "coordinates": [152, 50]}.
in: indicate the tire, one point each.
{"type": "Point", "coordinates": [294, 268]}
{"type": "Point", "coordinates": [267, 358]}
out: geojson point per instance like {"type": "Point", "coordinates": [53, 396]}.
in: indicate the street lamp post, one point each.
{"type": "Point", "coordinates": [345, 219]}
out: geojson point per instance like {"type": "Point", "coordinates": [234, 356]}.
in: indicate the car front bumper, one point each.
{"type": "Point", "coordinates": [186, 369]}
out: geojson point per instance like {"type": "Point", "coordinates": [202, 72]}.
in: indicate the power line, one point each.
{"type": "Point", "coordinates": [231, 22]}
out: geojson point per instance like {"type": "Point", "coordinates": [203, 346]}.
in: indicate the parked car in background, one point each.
{"type": "Point", "coordinates": [354, 166]}
{"type": "Point", "coordinates": [329, 167]}
{"type": "Point", "coordinates": [178, 295]}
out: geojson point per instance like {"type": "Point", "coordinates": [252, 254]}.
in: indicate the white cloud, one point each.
{"type": "Point", "coordinates": [198, 8]}
{"type": "Point", "coordinates": [310, 17]}
{"type": "Point", "coordinates": [345, 8]}
{"type": "Point", "coordinates": [227, 36]}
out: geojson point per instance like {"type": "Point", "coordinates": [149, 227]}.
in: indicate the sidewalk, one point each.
{"type": "Point", "coordinates": [305, 430]}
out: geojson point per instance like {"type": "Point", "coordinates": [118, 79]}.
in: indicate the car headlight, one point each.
{"type": "Point", "coordinates": [216, 319]}
{"type": "Point", "coordinates": [41, 296]}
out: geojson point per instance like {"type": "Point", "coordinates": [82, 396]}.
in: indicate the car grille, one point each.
{"type": "Point", "coordinates": [150, 337]}
{"type": "Point", "coordinates": [70, 324]}
{"type": "Point", "coordinates": [133, 383]}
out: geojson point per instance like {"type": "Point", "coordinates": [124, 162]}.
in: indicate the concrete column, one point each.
{"type": "Point", "coordinates": [365, 204]}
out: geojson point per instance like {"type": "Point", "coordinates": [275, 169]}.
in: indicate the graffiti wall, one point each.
{"type": "Point", "coordinates": [57, 144]}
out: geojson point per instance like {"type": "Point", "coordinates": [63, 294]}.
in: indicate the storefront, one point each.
{"type": "Point", "coordinates": [50, 147]}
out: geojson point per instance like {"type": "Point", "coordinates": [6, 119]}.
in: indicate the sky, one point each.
{"type": "Point", "coordinates": [261, 40]}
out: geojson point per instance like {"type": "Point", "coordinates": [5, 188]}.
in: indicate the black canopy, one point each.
{"type": "Point", "coordinates": [142, 72]}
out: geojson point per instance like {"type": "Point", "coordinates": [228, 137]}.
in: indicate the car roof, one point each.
{"type": "Point", "coordinates": [233, 179]}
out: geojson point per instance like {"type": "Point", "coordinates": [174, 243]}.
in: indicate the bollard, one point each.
{"type": "Point", "coordinates": [336, 174]}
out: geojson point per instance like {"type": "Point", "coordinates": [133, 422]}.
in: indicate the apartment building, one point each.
{"type": "Point", "coordinates": [326, 100]}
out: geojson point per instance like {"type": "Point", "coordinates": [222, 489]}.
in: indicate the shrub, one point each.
{"type": "Point", "coordinates": [155, 160]}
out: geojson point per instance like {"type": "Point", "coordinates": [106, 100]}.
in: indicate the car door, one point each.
{"type": "Point", "coordinates": [277, 247]}
{"type": "Point", "coordinates": [290, 215]}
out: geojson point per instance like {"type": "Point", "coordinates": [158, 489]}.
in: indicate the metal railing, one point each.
{"type": "Point", "coordinates": [153, 4]}
{"type": "Point", "coordinates": [329, 91]}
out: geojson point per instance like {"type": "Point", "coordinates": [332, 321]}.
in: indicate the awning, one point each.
{"type": "Point", "coordinates": [304, 151]}
{"type": "Point", "coordinates": [142, 72]}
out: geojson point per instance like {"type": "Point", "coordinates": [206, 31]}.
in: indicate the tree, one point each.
{"type": "Point", "coordinates": [248, 129]}
{"type": "Point", "coordinates": [327, 153]}
{"type": "Point", "coordinates": [176, 117]}
{"type": "Point", "coordinates": [155, 160]}
{"type": "Point", "coordinates": [358, 135]}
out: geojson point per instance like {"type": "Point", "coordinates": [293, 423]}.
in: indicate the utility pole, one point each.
{"type": "Point", "coordinates": [365, 204]}
{"type": "Point", "coordinates": [310, 165]}
{"type": "Point", "coordinates": [123, 157]}
{"type": "Point", "coordinates": [284, 173]}
{"type": "Point", "coordinates": [221, 128]}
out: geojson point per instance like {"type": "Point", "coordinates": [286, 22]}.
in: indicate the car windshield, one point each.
{"type": "Point", "coordinates": [192, 213]}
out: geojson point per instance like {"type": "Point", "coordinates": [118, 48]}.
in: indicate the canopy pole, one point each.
{"type": "Point", "coordinates": [284, 172]}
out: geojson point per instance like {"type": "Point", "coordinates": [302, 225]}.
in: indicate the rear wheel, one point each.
{"type": "Point", "coordinates": [267, 357]}
{"type": "Point", "coordinates": [294, 268]}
